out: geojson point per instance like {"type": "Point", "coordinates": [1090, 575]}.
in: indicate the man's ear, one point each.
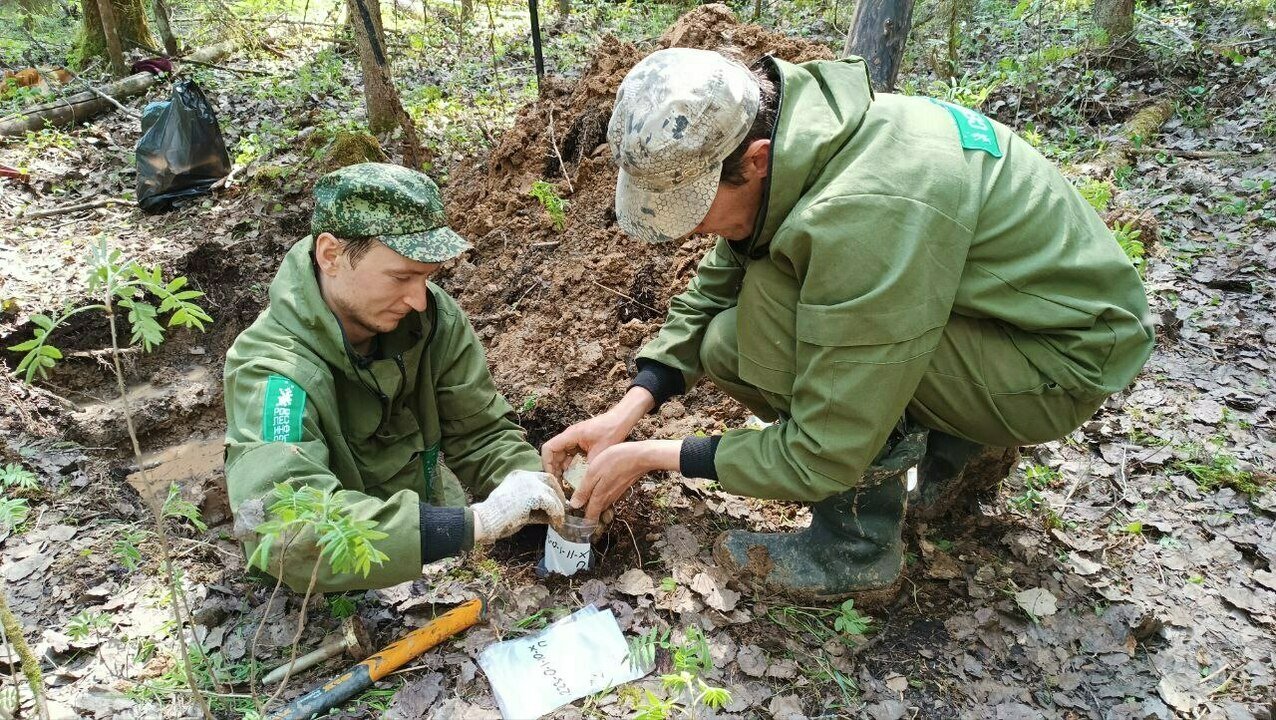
{"type": "Point", "coordinates": [328, 251]}
{"type": "Point", "coordinates": [757, 159]}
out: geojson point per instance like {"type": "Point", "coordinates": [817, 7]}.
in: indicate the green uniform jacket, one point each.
{"type": "Point", "coordinates": [371, 430]}
{"type": "Point", "coordinates": [882, 218]}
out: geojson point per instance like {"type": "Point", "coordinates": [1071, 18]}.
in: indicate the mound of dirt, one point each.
{"type": "Point", "coordinates": [564, 311]}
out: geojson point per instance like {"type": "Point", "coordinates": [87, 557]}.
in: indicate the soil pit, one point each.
{"type": "Point", "coordinates": [563, 313]}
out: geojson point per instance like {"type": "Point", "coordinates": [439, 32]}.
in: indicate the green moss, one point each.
{"type": "Point", "coordinates": [349, 148]}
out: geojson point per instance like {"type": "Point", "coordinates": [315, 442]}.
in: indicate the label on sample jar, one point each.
{"type": "Point", "coordinates": [564, 556]}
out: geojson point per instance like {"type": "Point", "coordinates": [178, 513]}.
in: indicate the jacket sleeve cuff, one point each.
{"type": "Point", "coordinates": [659, 379]}
{"type": "Point", "coordinates": [695, 459]}
{"type": "Point", "coordinates": [444, 532]}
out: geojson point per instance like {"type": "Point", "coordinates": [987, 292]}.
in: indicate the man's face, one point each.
{"type": "Point", "coordinates": [735, 207]}
{"type": "Point", "coordinates": [371, 296]}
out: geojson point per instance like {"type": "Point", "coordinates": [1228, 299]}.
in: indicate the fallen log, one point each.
{"type": "Point", "coordinates": [82, 106]}
{"type": "Point", "coordinates": [1141, 128]}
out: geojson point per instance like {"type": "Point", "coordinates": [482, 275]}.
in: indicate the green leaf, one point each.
{"type": "Point", "coordinates": [14, 475]}
{"type": "Point", "coordinates": [23, 347]}
{"type": "Point", "coordinates": [43, 321]}
{"type": "Point", "coordinates": [13, 512]}
{"type": "Point", "coordinates": [175, 506]}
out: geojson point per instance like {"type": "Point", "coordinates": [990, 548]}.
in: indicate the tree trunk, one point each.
{"type": "Point", "coordinates": [878, 32]}
{"type": "Point", "coordinates": [130, 26]}
{"type": "Point", "coordinates": [160, 9]}
{"type": "Point", "coordinates": [378, 88]}
{"type": "Point", "coordinates": [564, 8]}
{"type": "Point", "coordinates": [1116, 19]}
{"type": "Point", "coordinates": [757, 10]}
{"type": "Point", "coordinates": [385, 109]}
{"type": "Point", "coordinates": [114, 51]}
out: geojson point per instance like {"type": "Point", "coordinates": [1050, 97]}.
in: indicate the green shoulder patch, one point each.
{"type": "Point", "coordinates": [285, 406]}
{"type": "Point", "coordinates": [976, 131]}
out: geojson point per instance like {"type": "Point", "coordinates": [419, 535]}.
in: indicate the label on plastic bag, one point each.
{"type": "Point", "coordinates": [582, 654]}
{"type": "Point", "coordinates": [564, 556]}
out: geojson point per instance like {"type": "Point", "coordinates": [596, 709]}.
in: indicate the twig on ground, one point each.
{"type": "Point", "coordinates": [562, 166]}
{"type": "Point", "coordinates": [546, 245]}
{"type": "Point", "coordinates": [1194, 154]}
{"type": "Point", "coordinates": [72, 208]}
{"type": "Point", "coordinates": [127, 111]}
{"type": "Point", "coordinates": [157, 510]}
{"type": "Point", "coordinates": [301, 627]}
{"type": "Point", "coordinates": [617, 292]}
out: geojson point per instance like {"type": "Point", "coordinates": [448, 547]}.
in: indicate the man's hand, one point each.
{"type": "Point", "coordinates": [613, 470]}
{"type": "Point", "coordinates": [511, 504]}
{"type": "Point", "coordinates": [596, 434]}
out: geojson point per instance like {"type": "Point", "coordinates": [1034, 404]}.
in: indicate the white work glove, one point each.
{"type": "Point", "coordinates": [511, 504]}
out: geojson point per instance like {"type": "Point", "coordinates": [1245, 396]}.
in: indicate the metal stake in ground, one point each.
{"type": "Point", "coordinates": [534, 11]}
{"type": "Point", "coordinates": [358, 678]}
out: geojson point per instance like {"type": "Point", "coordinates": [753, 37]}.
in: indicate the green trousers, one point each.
{"type": "Point", "coordinates": [978, 387]}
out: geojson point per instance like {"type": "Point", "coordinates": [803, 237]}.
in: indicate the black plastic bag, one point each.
{"type": "Point", "coordinates": [181, 153]}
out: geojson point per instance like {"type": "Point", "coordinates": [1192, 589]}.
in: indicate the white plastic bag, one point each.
{"type": "Point", "coordinates": [582, 654]}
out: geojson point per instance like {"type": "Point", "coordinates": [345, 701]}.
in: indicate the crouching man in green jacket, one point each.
{"type": "Point", "coordinates": [361, 375]}
{"type": "Point", "coordinates": [884, 261]}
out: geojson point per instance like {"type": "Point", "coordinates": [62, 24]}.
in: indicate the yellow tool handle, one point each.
{"type": "Point", "coordinates": [418, 641]}
{"type": "Point", "coordinates": [357, 678]}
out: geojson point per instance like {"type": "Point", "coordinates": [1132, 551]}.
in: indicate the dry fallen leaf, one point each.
{"type": "Point", "coordinates": [716, 594]}
{"type": "Point", "coordinates": [751, 660]}
{"type": "Point", "coordinates": [635, 582]}
{"type": "Point", "coordinates": [1037, 602]}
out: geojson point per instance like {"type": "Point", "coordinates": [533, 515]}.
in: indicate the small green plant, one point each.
{"type": "Point", "coordinates": [13, 512]}
{"type": "Point", "coordinates": [1214, 469]}
{"type": "Point", "coordinates": [345, 542]}
{"type": "Point", "coordinates": [967, 91]}
{"type": "Point", "coordinates": [850, 621]}
{"type": "Point", "coordinates": [528, 404]}
{"type": "Point", "coordinates": [553, 203]}
{"type": "Point", "coordinates": [85, 623]}
{"type": "Point", "coordinates": [126, 549]}
{"type": "Point", "coordinates": [14, 475]}
{"type": "Point", "coordinates": [1127, 236]}
{"type": "Point", "coordinates": [654, 708]}
{"type": "Point", "coordinates": [177, 507]}
{"type": "Point", "coordinates": [131, 285]}
{"type": "Point", "coordinates": [686, 689]}
{"type": "Point", "coordinates": [642, 649]}
{"type": "Point", "coordinates": [1096, 192]}
{"type": "Point", "coordinates": [668, 584]}
{"type": "Point", "coordinates": [1035, 480]}
{"type": "Point", "coordinates": [341, 607]}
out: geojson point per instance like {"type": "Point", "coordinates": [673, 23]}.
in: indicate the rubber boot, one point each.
{"type": "Point", "coordinates": [956, 473]}
{"type": "Point", "coordinates": [853, 547]}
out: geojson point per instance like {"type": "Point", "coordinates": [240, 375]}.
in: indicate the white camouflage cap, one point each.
{"type": "Point", "coordinates": [679, 113]}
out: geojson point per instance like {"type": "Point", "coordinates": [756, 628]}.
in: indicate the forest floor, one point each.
{"type": "Point", "coordinates": [1125, 571]}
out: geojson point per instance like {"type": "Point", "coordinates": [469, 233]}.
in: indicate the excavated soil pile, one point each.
{"type": "Point", "coordinates": [564, 312]}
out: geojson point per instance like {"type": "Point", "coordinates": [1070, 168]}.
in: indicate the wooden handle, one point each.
{"type": "Point", "coordinates": [418, 641]}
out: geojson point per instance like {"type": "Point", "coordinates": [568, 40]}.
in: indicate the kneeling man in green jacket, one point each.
{"type": "Point", "coordinates": [361, 376]}
{"type": "Point", "coordinates": [884, 263]}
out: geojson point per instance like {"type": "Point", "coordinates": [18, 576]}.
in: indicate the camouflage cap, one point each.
{"type": "Point", "coordinates": [400, 207]}
{"type": "Point", "coordinates": [679, 113]}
